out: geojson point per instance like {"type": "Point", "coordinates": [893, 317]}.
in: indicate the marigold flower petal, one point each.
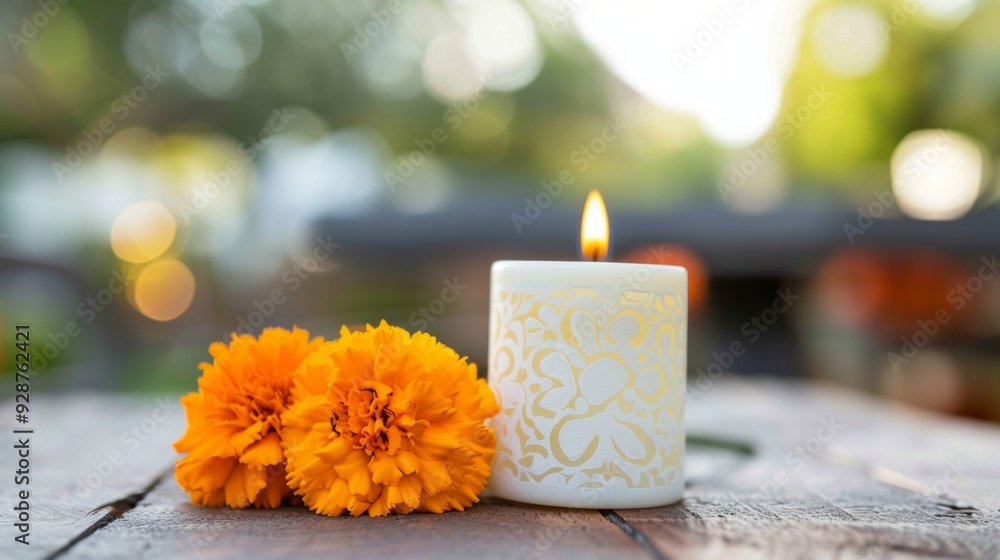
{"type": "Point", "coordinates": [204, 479]}
{"type": "Point", "coordinates": [265, 452]}
{"type": "Point", "coordinates": [383, 421]}
{"type": "Point", "coordinates": [233, 437]}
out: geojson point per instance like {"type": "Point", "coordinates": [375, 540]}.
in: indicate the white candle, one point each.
{"type": "Point", "coordinates": [589, 362]}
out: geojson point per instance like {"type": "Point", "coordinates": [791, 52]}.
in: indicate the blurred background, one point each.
{"type": "Point", "coordinates": [172, 171]}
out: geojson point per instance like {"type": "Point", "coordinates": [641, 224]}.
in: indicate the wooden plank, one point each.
{"type": "Point", "coordinates": [827, 511]}
{"type": "Point", "coordinates": [870, 490]}
{"type": "Point", "coordinates": [86, 450]}
{"type": "Point", "coordinates": [165, 525]}
{"type": "Point", "coordinates": [944, 455]}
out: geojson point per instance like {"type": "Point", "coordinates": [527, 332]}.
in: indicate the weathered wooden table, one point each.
{"type": "Point", "coordinates": [774, 471]}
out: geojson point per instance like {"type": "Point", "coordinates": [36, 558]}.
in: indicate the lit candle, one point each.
{"type": "Point", "coordinates": [589, 362]}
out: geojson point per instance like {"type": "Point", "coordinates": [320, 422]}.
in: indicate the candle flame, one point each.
{"type": "Point", "coordinates": [594, 231]}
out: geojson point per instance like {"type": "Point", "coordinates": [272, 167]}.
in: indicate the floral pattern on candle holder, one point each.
{"type": "Point", "coordinates": [592, 387]}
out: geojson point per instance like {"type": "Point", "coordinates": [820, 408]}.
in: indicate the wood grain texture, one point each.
{"type": "Point", "coordinates": [888, 482]}
{"type": "Point", "coordinates": [939, 454]}
{"type": "Point", "coordinates": [825, 512]}
{"type": "Point", "coordinates": [831, 475]}
{"type": "Point", "coordinates": [165, 525]}
{"type": "Point", "coordinates": [75, 440]}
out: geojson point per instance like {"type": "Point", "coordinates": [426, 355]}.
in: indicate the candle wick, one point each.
{"type": "Point", "coordinates": [593, 255]}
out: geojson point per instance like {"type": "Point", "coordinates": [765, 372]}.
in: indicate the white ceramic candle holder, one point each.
{"type": "Point", "coordinates": [589, 362]}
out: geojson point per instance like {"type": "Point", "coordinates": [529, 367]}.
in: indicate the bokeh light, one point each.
{"type": "Point", "coordinates": [850, 40]}
{"type": "Point", "coordinates": [501, 42]}
{"type": "Point", "coordinates": [448, 71]}
{"type": "Point", "coordinates": [693, 56]}
{"type": "Point", "coordinates": [677, 255]}
{"type": "Point", "coordinates": [776, 125]}
{"type": "Point", "coordinates": [950, 11]}
{"type": "Point", "coordinates": [163, 290]}
{"type": "Point", "coordinates": [142, 232]}
{"type": "Point", "coordinates": [936, 174]}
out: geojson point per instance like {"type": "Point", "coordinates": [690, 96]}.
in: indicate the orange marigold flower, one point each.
{"type": "Point", "coordinates": [233, 438]}
{"type": "Point", "coordinates": [383, 421]}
